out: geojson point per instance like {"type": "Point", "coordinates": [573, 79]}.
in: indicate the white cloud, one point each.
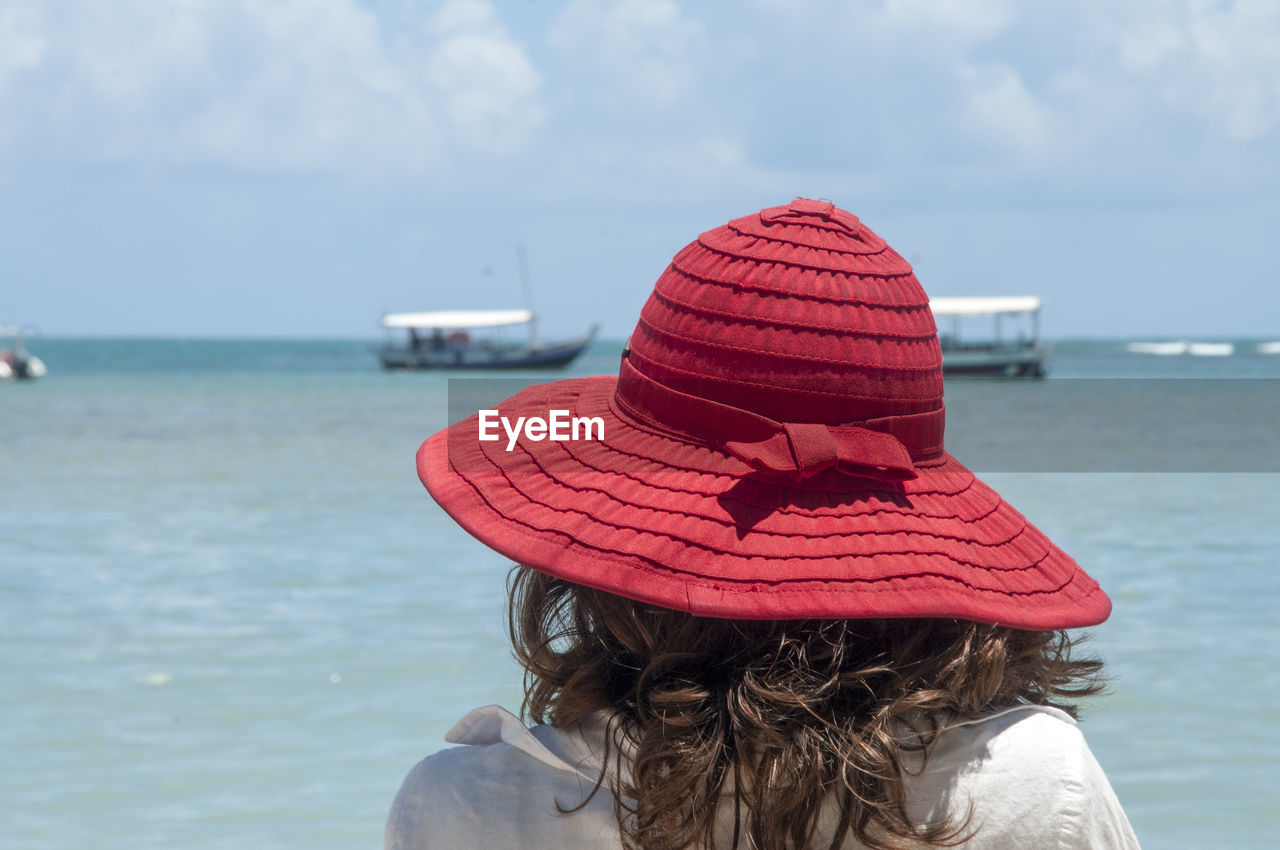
{"type": "Point", "coordinates": [638, 53]}
{"type": "Point", "coordinates": [22, 49]}
{"type": "Point", "coordinates": [404, 86]}
{"type": "Point", "coordinates": [21, 46]}
{"type": "Point", "coordinates": [1054, 82]}
{"type": "Point", "coordinates": [954, 23]}
{"type": "Point", "coordinates": [284, 85]}
{"type": "Point", "coordinates": [1219, 61]}
{"type": "Point", "coordinates": [1000, 107]}
{"type": "Point", "coordinates": [487, 84]}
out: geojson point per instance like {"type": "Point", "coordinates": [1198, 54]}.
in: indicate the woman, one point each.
{"type": "Point", "coordinates": [761, 606]}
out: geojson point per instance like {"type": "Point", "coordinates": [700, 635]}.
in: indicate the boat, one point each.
{"type": "Point", "coordinates": [16, 363]}
{"type": "Point", "coordinates": [995, 354]}
{"type": "Point", "coordinates": [448, 339]}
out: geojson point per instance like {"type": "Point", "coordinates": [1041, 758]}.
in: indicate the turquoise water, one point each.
{"type": "Point", "coordinates": [232, 617]}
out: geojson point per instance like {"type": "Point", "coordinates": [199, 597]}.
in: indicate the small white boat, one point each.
{"type": "Point", "coordinates": [994, 354]}
{"type": "Point", "coordinates": [16, 363]}
{"type": "Point", "coordinates": [1269, 347]}
{"type": "Point", "coordinates": [447, 339]}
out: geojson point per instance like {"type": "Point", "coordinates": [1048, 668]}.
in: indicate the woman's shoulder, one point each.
{"type": "Point", "coordinates": [1027, 775]}
{"type": "Point", "coordinates": [1030, 735]}
{"type": "Point", "coordinates": [503, 786]}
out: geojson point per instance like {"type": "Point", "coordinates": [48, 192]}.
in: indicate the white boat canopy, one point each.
{"type": "Point", "coordinates": [984, 306]}
{"type": "Point", "coordinates": [446, 319]}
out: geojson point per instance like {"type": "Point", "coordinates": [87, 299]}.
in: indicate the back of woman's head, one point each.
{"type": "Point", "coordinates": [772, 726]}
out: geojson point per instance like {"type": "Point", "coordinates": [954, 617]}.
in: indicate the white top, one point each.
{"type": "Point", "coordinates": [1027, 771]}
{"type": "Point", "coordinates": [446, 319]}
{"type": "Point", "coordinates": [984, 306]}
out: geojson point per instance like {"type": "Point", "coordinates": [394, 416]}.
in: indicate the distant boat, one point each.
{"type": "Point", "coordinates": [447, 339]}
{"type": "Point", "coordinates": [995, 354]}
{"type": "Point", "coordinates": [1269, 348]}
{"type": "Point", "coordinates": [16, 363]}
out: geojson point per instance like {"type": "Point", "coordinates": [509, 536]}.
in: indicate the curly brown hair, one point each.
{"type": "Point", "coordinates": [785, 718]}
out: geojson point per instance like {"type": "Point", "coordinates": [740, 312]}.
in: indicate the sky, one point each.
{"type": "Point", "coordinates": [295, 168]}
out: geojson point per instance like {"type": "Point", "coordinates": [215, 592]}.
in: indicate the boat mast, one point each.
{"type": "Point", "coordinates": [523, 257]}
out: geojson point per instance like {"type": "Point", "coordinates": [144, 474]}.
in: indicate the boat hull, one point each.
{"type": "Point", "coordinates": [995, 362]}
{"type": "Point", "coordinates": [480, 357]}
{"type": "Point", "coordinates": [25, 367]}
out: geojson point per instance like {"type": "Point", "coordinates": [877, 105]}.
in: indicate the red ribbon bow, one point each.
{"type": "Point", "coordinates": [805, 449]}
{"type": "Point", "coordinates": [798, 449]}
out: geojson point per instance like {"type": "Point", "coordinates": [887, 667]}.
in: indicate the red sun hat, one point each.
{"type": "Point", "coordinates": [772, 448]}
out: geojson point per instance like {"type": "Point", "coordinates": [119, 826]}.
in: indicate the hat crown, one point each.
{"type": "Point", "coordinates": [798, 313]}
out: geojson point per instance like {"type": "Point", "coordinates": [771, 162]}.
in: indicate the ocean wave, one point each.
{"type": "Point", "coordinates": [1163, 349]}
{"type": "Point", "coordinates": [1182, 346]}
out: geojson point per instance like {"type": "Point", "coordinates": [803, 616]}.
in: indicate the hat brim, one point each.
{"type": "Point", "coordinates": [690, 528]}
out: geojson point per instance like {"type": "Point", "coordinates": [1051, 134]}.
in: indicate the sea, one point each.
{"type": "Point", "coordinates": [231, 617]}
